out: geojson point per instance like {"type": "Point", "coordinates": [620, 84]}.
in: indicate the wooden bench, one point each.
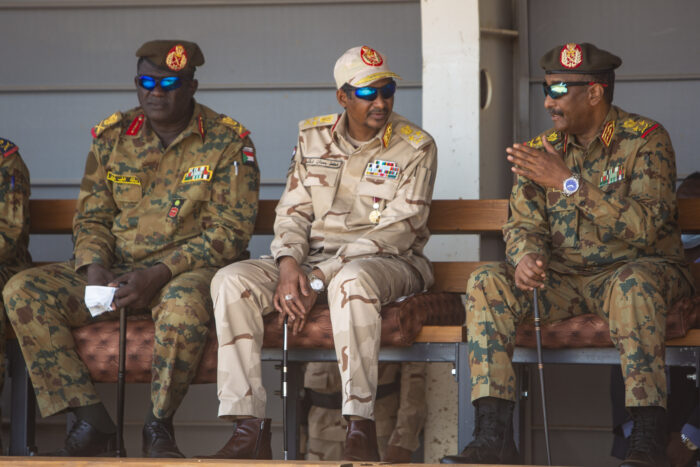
{"type": "Point", "coordinates": [433, 343]}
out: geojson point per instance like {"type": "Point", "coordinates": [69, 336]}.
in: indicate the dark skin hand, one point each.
{"type": "Point", "coordinates": [99, 275]}
{"type": "Point", "coordinates": [546, 168]}
{"type": "Point", "coordinates": [530, 272]}
{"type": "Point", "coordinates": [293, 281]}
{"type": "Point", "coordinates": [137, 288]}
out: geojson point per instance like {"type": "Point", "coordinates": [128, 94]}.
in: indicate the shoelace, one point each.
{"type": "Point", "coordinates": [642, 438]}
{"type": "Point", "coordinates": [160, 431]}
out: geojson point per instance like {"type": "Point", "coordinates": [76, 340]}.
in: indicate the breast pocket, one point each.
{"type": "Point", "coordinates": [195, 196]}
{"type": "Point", "coordinates": [322, 183]}
{"type": "Point", "coordinates": [563, 221]}
{"type": "Point", "coordinates": [126, 195]}
{"type": "Point", "coordinates": [371, 193]}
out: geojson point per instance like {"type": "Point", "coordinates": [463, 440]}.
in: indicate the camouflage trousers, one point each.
{"type": "Point", "coordinates": [399, 416]}
{"type": "Point", "coordinates": [243, 294]}
{"type": "Point", "coordinates": [5, 274]}
{"type": "Point", "coordinates": [45, 303]}
{"type": "Point", "coordinates": [633, 298]}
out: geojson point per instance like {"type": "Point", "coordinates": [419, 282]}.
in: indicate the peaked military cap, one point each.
{"type": "Point", "coordinates": [172, 55]}
{"type": "Point", "coordinates": [578, 58]}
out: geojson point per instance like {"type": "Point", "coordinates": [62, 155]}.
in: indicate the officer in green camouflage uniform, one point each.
{"type": "Point", "coordinates": [14, 226]}
{"type": "Point", "coordinates": [351, 220]}
{"type": "Point", "coordinates": [169, 195]}
{"type": "Point", "coordinates": [399, 410]}
{"type": "Point", "coordinates": [594, 225]}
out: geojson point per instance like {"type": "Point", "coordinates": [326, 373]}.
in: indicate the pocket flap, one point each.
{"type": "Point", "coordinates": [384, 189]}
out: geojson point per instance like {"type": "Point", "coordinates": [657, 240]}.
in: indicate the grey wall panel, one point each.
{"type": "Point", "coordinates": [242, 44]}
{"type": "Point", "coordinates": [650, 36]}
{"type": "Point", "coordinates": [673, 104]}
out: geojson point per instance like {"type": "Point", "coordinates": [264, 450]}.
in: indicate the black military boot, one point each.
{"type": "Point", "coordinates": [648, 438]}
{"type": "Point", "coordinates": [250, 440]}
{"type": "Point", "coordinates": [493, 435]}
{"type": "Point", "coordinates": [158, 438]}
{"type": "Point", "coordinates": [84, 440]}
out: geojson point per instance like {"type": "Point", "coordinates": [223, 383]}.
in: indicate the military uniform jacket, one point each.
{"type": "Point", "coordinates": [190, 205]}
{"type": "Point", "coordinates": [14, 209]}
{"type": "Point", "coordinates": [323, 216]}
{"type": "Point", "coordinates": [625, 209]}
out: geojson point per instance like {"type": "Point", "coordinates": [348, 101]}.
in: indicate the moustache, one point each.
{"type": "Point", "coordinates": [557, 113]}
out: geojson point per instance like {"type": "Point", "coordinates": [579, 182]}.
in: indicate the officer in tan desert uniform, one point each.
{"type": "Point", "coordinates": [351, 223]}
{"type": "Point", "coordinates": [169, 195]}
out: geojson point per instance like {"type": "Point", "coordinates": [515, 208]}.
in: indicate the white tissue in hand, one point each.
{"type": "Point", "coordinates": [99, 299]}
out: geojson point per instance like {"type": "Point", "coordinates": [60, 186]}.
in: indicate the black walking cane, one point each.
{"type": "Point", "coordinates": [121, 382]}
{"type": "Point", "coordinates": [284, 388]}
{"type": "Point", "coordinates": [540, 367]}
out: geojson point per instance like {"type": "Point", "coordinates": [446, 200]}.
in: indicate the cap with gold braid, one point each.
{"type": "Point", "coordinates": [580, 58]}
{"type": "Point", "coordinates": [172, 55]}
{"type": "Point", "coordinates": [361, 66]}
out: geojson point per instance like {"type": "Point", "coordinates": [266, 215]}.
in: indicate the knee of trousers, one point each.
{"type": "Point", "coordinates": [235, 277]}
{"type": "Point", "coordinates": [633, 286]}
{"type": "Point", "coordinates": [353, 279]}
{"type": "Point", "coordinates": [491, 277]}
{"type": "Point", "coordinates": [20, 289]}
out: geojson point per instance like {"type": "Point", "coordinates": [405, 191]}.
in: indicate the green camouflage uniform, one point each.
{"type": "Point", "coordinates": [324, 221]}
{"type": "Point", "coordinates": [613, 248]}
{"type": "Point", "coordinates": [190, 206]}
{"type": "Point", "coordinates": [14, 225]}
{"type": "Point", "coordinates": [399, 416]}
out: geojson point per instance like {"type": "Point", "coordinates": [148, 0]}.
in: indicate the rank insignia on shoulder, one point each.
{"type": "Point", "coordinates": [7, 147]}
{"type": "Point", "coordinates": [237, 127]}
{"type": "Point", "coordinates": [248, 155]}
{"type": "Point", "coordinates": [383, 169]}
{"type": "Point", "coordinates": [175, 208]}
{"type": "Point", "coordinates": [644, 127]}
{"type": "Point", "coordinates": [123, 179]}
{"type": "Point", "coordinates": [612, 175]}
{"type": "Point", "coordinates": [324, 120]}
{"type": "Point", "coordinates": [200, 173]}
{"type": "Point", "coordinates": [415, 137]}
{"type": "Point", "coordinates": [106, 123]}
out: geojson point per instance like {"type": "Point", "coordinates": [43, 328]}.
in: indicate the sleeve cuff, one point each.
{"type": "Point", "coordinates": [329, 268]}
{"type": "Point", "coordinates": [177, 263]}
{"type": "Point", "coordinates": [289, 252]}
{"type": "Point", "coordinates": [87, 257]}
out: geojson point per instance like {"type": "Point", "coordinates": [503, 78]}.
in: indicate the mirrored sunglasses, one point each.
{"type": "Point", "coordinates": [557, 90]}
{"type": "Point", "coordinates": [167, 83]}
{"type": "Point", "coordinates": [369, 93]}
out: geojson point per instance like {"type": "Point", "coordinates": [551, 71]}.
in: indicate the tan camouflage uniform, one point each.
{"type": "Point", "coordinates": [323, 221]}
{"type": "Point", "coordinates": [190, 206]}
{"type": "Point", "coordinates": [399, 416]}
{"type": "Point", "coordinates": [614, 249]}
{"type": "Point", "coordinates": [14, 225]}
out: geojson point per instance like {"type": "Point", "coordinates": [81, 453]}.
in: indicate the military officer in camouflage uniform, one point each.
{"type": "Point", "coordinates": [169, 195]}
{"type": "Point", "coordinates": [14, 226]}
{"type": "Point", "coordinates": [351, 222]}
{"type": "Point", "coordinates": [594, 225]}
{"type": "Point", "coordinates": [399, 410]}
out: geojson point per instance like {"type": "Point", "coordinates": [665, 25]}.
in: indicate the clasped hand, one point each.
{"type": "Point", "coordinates": [136, 288]}
{"type": "Point", "coordinates": [293, 296]}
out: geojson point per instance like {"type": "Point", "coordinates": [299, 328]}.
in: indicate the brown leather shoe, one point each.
{"type": "Point", "coordinates": [250, 440]}
{"type": "Point", "coordinates": [361, 441]}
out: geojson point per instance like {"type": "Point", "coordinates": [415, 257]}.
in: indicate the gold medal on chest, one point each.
{"type": "Point", "coordinates": [375, 215]}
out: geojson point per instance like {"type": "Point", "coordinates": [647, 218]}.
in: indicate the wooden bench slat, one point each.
{"type": "Point", "coordinates": [442, 334]}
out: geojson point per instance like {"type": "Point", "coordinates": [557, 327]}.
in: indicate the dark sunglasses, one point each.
{"type": "Point", "coordinates": [168, 83]}
{"type": "Point", "coordinates": [557, 90]}
{"type": "Point", "coordinates": [369, 93]}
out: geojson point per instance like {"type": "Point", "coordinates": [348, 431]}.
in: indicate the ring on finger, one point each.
{"type": "Point", "coordinates": [289, 297]}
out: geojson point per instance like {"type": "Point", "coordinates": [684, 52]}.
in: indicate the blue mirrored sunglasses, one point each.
{"type": "Point", "coordinates": [369, 93]}
{"type": "Point", "coordinates": [557, 90]}
{"type": "Point", "coordinates": [167, 83]}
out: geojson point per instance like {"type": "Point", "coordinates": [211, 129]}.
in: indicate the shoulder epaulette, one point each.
{"type": "Point", "coordinates": [324, 120]}
{"type": "Point", "coordinates": [413, 135]}
{"type": "Point", "coordinates": [237, 127]}
{"type": "Point", "coordinates": [7, 147]}
{"type": "Point", "coordinates": [640, 127]}
{"type": "Point", "coordinates": [108, 122]}
{"type": "Point", "coordinates": [553, 137]}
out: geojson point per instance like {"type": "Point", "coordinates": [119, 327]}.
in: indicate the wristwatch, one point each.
{"type": "Point", "coordinates": [571, 185]}
{"type": "Point", "coordinates": [316, 284]}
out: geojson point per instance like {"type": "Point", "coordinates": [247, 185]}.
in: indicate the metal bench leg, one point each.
{"type": "Point", "coordinates": [295, 383]}
{"type": "Point", "coordinates": [465, 416]}
{"type": "Point", "coordinates": [23, 412]}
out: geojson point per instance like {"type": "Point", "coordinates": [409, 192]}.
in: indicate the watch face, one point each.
{"type": "Point", "coordinates": [316, 284]}
{"type": "Point", "coordinates": [571, 185]}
